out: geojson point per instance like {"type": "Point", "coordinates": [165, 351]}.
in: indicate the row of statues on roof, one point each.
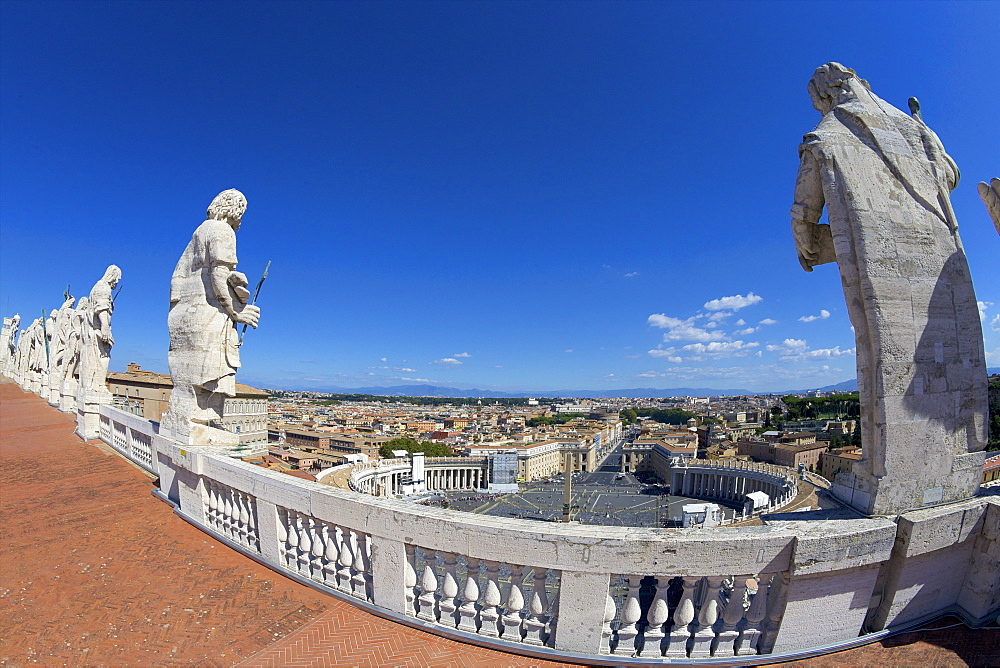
{"type": "Point", "coordinates": [64, 357]}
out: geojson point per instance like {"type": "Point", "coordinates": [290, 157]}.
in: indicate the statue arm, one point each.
{"type": "Point", "coordinates": [223, 276]}
{"type": "Point", "coordinates": [807, 209]}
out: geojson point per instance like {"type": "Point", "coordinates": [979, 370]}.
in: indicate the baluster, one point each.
{"type": "Point", "coordinates": [610, 609]}
{"type": "Point", "coordinates": [552, 620]}
{"type": "Point", "coordinates": [227, 512]}
{"type": "Point", "coordinates": [489, 616]}
{"type": "Point", "coordinates": [346, 560]}
{"type": "Point", "coordinates": [534, 623]}
{"type": "Point", "coordinates": [243, 517]}
{"type": "Point", "coordinates": [776, 599]}
{"type": "Point", "coordinates": [449, 589]}
{"type": "Point", "coordinates": [512, 619]}
{"type": "Point", "coordinates": [683, 616]}
{"type": "Point", "coordinates": [658, 614]}
{"type": "Point", "coordinates": [428, 586]}
{"type": "Point", "coordinates": [704, 634]}
{"type": "Point", "coordinates": [318, 549]}
{"type": "Point", "coordinates": [410, 581]}
{"type": "Point", "coordinates": [470, 595]}
{"type": "Point", "coordinates": [213, 505]}
{"type": "Point", "coordinates": [254, 538]}
{"type": "Point", "coordinates": [292, 553]}
{"type": "Point", "coordinates": [631, 613]}
{"type": "Point", "coordinates": [282, 536]}
{"type": "Point", "coordinates": [305, 544]}
{"type": "Point", "coordinates": [330, 554]}
{"type": "Point", "coordinates": [359, 569]}
{"type": "Point", "coordinates": [750, 633]}
{"type": "Point", "coordinates": [732, 616]}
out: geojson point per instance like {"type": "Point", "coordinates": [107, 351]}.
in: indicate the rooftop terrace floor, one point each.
{"type": "Point", "coordinates": [94, 570]}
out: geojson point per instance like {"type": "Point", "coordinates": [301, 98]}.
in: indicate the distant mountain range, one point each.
{"type": "Point", "coordinates": [631, 393]}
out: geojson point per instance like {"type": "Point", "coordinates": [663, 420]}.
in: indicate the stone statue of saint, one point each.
{"type": "Point", "coordinates": [71, 355]}
{"type": "Point", "coordinates": [990, 194]}
{"type": "Point", "coordinates": [96, 340]}
{"type": "Point", "coordinates": [208, 298]}
{"type": "Point", "coordinates": [884, 179]}
{"type": "Point", "coordinates": [8, 344]}
{"type": "Point", "coordinates": [57, 347]}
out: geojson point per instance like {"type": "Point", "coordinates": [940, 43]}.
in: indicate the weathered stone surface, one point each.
{"type": "Point", "coordinates": [208, 298]}
{"type": "Point", "coordinates": [990, 193]}
{"type": "Point", "coordinates": [8, 344]}
{"type": "Point", "coordinates": [96, 340]}
{"type": "Point", "coordinates": [884, 180]}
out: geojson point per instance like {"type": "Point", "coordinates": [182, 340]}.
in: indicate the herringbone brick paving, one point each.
{"type": "Point", "coordinates": [94, 570]}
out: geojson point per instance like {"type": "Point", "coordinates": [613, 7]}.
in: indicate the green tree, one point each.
{"type": "Point", "coordinates": [429, 448]}
{"type": "Point", "coordinates": [628, 416]}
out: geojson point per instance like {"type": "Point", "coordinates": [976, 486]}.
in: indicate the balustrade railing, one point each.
{"type": "Point", "coordinates": [334, 555]}
{"type": "Point", "coordinates": [695, 617]}
{"type": "Point", "coordinates": [513, 602]}
{"type": "Point", "coordinates": [232, 513]}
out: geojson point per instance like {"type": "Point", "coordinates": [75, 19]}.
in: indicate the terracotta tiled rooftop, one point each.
{"type": "Point", "coordinates": [96, 571]}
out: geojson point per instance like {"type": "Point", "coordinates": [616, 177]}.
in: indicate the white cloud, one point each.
{"type": "Point", "coordinates": [830, 353]}
{"type": "Point", "coordinates": [983, 307]}
{"type": "Point", "coordinates": [462, 355]}
{"type": "Point", "coordinates": [719, 315]}
{"type": "Point", "coordinates": [447, 361]}
{"type": "Point", "coordinates": [383, 359]}
{"type": "Point", "coordinates": [415, 380]}
{"type": "Point", "coordinates": [721, 348]}
{"type": "Point", "coordinates": [744, 332]}
{"type": "Point", "coordinates": [823, 315]}
{"type": "Point", "coordinates": [662, 352]}
{"type": "Point", "coordinates": [682, 330]}
{"type": "Point", "coordinates": [740, 322]}
{"type": "Point", "coordinates": [768, 321]}
{"type": "Point", "coordinates": [735, 303]}
{"type": "Point", "coordinates": [789, 345]}
{"type": "Point", "coordinates": [406, 370]}
{"type": "Point", "coordinates": [993, 356]}
{"type": "Point", "coordinates": [675, 359]}
{"type": "Point", "coordinates": [633, 357]}
{"type": "Point", "coordinates": [569, 350]}
{"type": "Point", "coordinates": [995, 323]}
{"type": "Point", "coordinates": [631, 274]}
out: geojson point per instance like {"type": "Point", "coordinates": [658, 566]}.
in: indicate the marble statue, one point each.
{"type": "Point", "coordinates": [990, 193]}
{"type": "Point", "coordinates": [884, 179]}
{"type": "Point", "coordinates": [57, 346]}
{"type": "Point", "coordinates": [96, 340]}
{"type": "Point", "coordinates": [208, 298]}
{"type": "Point", "coordinates": [8, 343]}
{"type": "Point", "coordinates": [69, 384]}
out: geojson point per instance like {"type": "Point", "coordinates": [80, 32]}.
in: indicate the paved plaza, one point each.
{"type": "Point", "coordinates": [604, 497]}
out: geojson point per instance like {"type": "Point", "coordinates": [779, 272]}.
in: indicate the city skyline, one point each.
{"type": "Point", "coordinates": [496, 195]}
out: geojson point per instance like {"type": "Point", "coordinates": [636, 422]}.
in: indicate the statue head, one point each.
{"type": "Point", "coordinates": [112, 275]}
{"type": "Point", "coordinates": [830, 83]}
{"type": "Point", "coordinates": [228, 206]}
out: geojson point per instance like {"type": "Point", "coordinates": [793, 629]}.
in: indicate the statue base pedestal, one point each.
{"type": "Point", "coordinates": [67, 397]}
{"type": "Point", "coordinates": [88, 413]}
{"type": "Point", "coordinates": [200, 434]}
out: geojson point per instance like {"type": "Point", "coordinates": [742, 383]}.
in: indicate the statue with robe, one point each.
{"type": "Point", "coordinates": [208, 299]}
{"type": "Point", "coordinates": [96, 340]}
{"type": "Point", "coordinates": [884, 180]}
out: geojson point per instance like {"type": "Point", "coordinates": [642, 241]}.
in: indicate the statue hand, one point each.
{"type": "Point", "coordinates": [248, 316]}
{"type": "Point", "coordinates": [106, 338]}
{"type": "Point", "coordinates": [805, 244]}
{"type": "Point", "coordinates": [237, 278]}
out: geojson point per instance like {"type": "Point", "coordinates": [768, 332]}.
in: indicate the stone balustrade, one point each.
{"type": "Point", "coordinates": [129, 434]}
{"type": "Point", "coordinates": [587, 591]}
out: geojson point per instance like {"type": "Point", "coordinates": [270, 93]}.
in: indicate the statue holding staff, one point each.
{"type": "Point", "coordinates": [96, 340]}
{"type": "Point", "coordinates": [208, 299]}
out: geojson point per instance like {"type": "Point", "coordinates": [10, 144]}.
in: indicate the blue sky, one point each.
{"type": "Point", "coordinates": [509, 195]}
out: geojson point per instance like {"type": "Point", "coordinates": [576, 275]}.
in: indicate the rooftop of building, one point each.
{"type": "Point", "coordinates": [137, 374]}
{"type": "Point", "coordinates": [99, 572]}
